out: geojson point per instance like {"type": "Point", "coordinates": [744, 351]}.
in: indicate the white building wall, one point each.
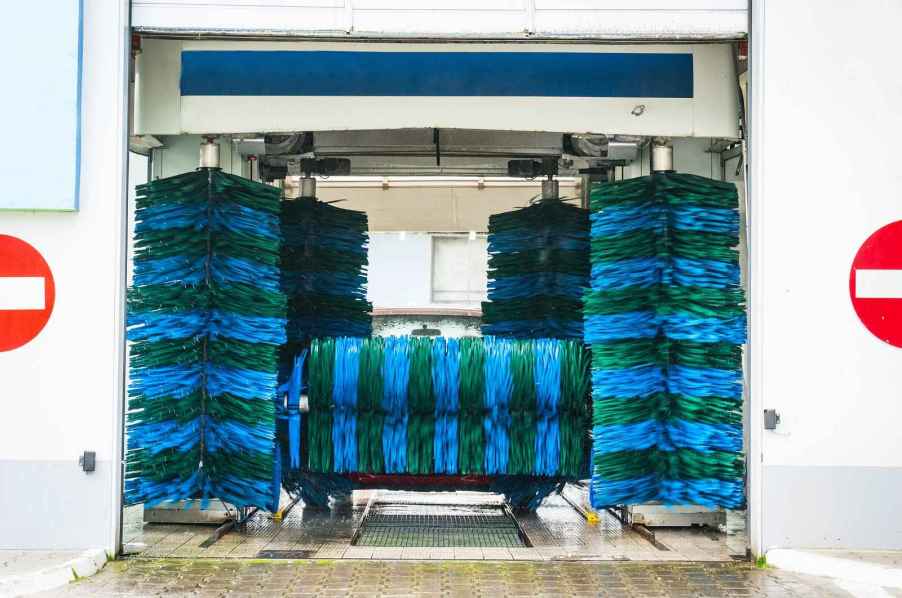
{"type": "Point", "coordinates": [824, 177]}
{"type": "Point", "coordinates": [61, 391]}
{"type": "Point", "coordinates": [612, 19]}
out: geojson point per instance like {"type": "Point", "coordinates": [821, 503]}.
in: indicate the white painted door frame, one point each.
{"type": "Point", "coordinates": [754, 371]}
{"type": "Point", "coordinates": [122, 23]}
{"type": "Point", "coordinates": [755, 190]}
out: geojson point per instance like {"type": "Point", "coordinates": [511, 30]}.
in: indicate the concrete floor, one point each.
{"type": "Point", "coordinates": [176, 578]}
{"type": "Point", "coordinates": [556, 531]}
{"type": "Point", "coordinates": [24, 562]}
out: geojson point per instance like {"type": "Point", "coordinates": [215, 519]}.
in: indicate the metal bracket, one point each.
{"type": "Point", "coordinates": [771, 419]}
{"type": "Point", "coordinates": [242, 518]}
{"type": "Point", "coordinates": [622, 514]}
{"type": "Point", "coordinates": [88, 461]}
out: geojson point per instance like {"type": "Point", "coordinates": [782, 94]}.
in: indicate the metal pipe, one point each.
{"type": "Point", "coordinates": [372, 182]}
{"type": "Point", "coordinates": [550, 189]}
{"type": "Point", "coordinates": [209, 154]}
{"type": "Point", "coordinates": [308, 187]}
{"type": "Point", "coordinates": [662, 158]}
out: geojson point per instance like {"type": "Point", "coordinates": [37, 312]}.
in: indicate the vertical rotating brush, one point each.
{"type": "Point", "coordinates": [538, 271]}
{"type": "Point", "coordinates": [666, 319]}
{"type": "Point", "coordinates": [324, 260]}
{"type": "Point", "coordinates": [621, 325]}
{"type": "Point", "coordinates": [704, 320]}
{"type": "Point", "coordinates": [206, 316]}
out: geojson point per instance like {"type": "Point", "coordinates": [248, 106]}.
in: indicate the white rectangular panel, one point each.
{"type": "Point", "coordinates": [41, 100]}
{"type": "Point", "coordinates": [237, 114]}
{"type": "Point", "coordinates": [459, 269]}
{"type": "Point", "coordinates": [661, 25]}
{"type": "Point", "coordinates": [878, 284]}
{"type": "Point", "coordinates": [439, 23]}
{"type": "Point", "coordinates": [600, 19]}
{"type": "Point", "coordinates": [21, 292]}
{"type": "Point", "coordinates": [231, 17]}
{"type": "Point", "coordinates": [663, 5]}
{"type": "Point", "coordinates": [157, 97]}
{"type": "Point", "coordinates": [439, 5]}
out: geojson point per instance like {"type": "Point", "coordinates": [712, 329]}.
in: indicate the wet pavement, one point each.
{"type": "Point", "coordinates": [444, 544]}
{"type": "Point", "coordinates": [436, 526]}
{"type": "Point", "coordinates": [471, 579]}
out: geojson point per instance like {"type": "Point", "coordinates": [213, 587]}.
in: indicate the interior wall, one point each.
{"type": "Point", "coordinates": [825, 177]}
{"type": "Point", "coordinates": [436, 208]}
{"type": "Point", "coordinates": [62, 392]}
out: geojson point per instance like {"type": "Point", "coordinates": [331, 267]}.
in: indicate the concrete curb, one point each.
{"type": "Point", "coordinates": [87, 564]}
{"type": "Point", "coordinates": [848, 571]}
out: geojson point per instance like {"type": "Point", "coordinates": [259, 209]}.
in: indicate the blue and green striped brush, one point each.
{"type": "Point", "coordinates": [206, 317]}
{"type": "Point", "coordinates": [538, 271]}
{"type": "Point", "coordinates": [665, 319]}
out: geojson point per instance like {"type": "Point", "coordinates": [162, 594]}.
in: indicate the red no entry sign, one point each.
{"type": "Point", "coordinates": [27, 292]}
{"type": "Point", "coordinates": [875, 283]}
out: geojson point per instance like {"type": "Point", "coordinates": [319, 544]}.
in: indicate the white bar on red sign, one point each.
{"type": "Point", "coordinates": [22, 292]}
{"type": "Point", "coordinates": [878, 284]}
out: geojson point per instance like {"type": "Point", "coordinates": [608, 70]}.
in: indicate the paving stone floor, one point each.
{"type": "Point", "coordinates": [175, 578]}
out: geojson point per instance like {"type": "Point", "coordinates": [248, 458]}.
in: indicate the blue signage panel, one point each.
{"type": "Point", "coordinates": [526, 74]}
{"type": "Point", "coordinates": [41, 106]}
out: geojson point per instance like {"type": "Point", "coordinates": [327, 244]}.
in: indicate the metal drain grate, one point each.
{"type": "Point", "coordinates": [439, 526]}
{"type": "Point", "coordinates": [285, 554]}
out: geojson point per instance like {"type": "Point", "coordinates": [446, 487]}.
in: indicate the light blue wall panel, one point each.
{"type": "Point", "coordinates": [40, 103]}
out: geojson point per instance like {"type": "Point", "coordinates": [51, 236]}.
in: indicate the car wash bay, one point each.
{"type": "Point", "coordinates": [317, 120]}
